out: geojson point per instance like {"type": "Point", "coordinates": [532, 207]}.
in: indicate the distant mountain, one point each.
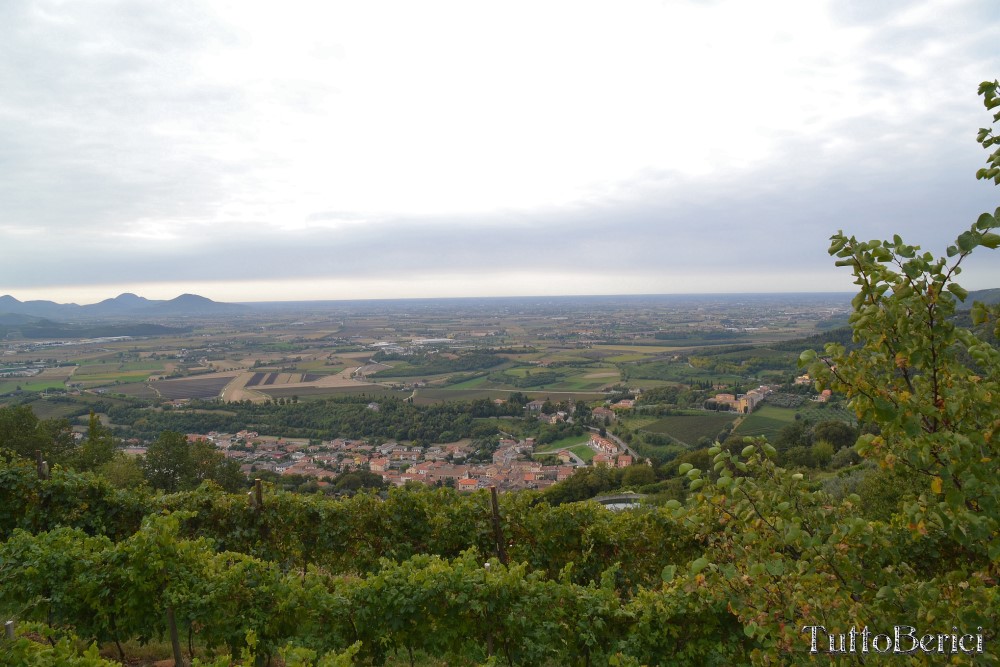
{"type": "Point", "coordinates": [987, 296]}
{"type": "Point", "coordinates": [120, 304]}
{"type": "Point", "coordinates": [124, 306]}
{"type": "Point", "coordinates": [18, 319]}
{"type": "Point", "coordinates": [192, 304]}
{"type": "Point", "coordinates": [50, 309]}
{"type": "Point", "coordinates": [36, 327]}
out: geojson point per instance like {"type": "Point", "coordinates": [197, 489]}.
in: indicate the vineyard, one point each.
{"type": "Point", "coordinates": [418, 572]}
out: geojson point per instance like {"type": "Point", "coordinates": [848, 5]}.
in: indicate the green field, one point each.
{"type": "Point", "coordinates": [689, 428]}
{"type": "Point", "coordinates": [623, 358]}
{"type": "Point", "coordinates": [320, 367]}
{"type": "Point", "coordinates": [27, 384]}
{"type": "Point", "coordinates": [565, 443]}
{"type": "Point", "coordinates": [671, 371]}
{"type": "Point", "coordinates": [426, 396]}
{"type": "Point", "coordinates": [639, 349]}
{"type": "Point", "coordinates": [818, 412]}
{"type": "Point", "coordinates": [100, 380]}
{"type": "Point", "coordinates": [142, 366]}
{"type": "Point", "coordinates": [584, 452]}
{"type": "Point", "coordinates": [768, 420]}
{"type": "Point", "coordinates": [136, 390]}
{"type": "Point", "coordinates": [469, 384]}
{"type": "Point", "coordinates": [307, 393]}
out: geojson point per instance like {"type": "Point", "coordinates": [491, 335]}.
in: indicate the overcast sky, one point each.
{"type": "Point", "coordinates": [335, 150]}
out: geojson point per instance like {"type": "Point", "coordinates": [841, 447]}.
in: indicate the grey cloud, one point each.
{"type": "Point", "coordinates": [83, 154]}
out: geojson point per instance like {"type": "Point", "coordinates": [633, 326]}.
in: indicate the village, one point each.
{"type": "Point", "coordinates": [512, 467]}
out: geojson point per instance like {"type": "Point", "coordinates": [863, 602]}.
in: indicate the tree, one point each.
{"type": "Point", "coordinates": [782, 555]}
{"type": "Point", "coordinates": [167, 463]}
{"type": "Point", "coordinates": [97, 448]}
{"type": "Point", "coordinates": [173, 464]}
{"type": "Point", "coordinates": [24, 433]}
{"type": "Point", "coordinates": [123, 471]}
{"type": "Point", "coordinates": [638, 475]}
{"type": "Point", "coordinates": [837, 433]}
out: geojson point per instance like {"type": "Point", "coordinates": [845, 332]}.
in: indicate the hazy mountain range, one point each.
{"type": "Point", "coordinates": [130, 307]}
{"type": "Point", "coordinates": [124, 306]}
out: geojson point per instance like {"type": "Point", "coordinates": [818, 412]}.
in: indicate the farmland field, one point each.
{"type": "Point", "coordinates": [136, 390]}
{"type": "Point", "coordinates": [206, 387]}
{"type": "Point", "coordinates": [90, 381]}
{"type": "Point", "coordinates": [306, 392]}
{"type": "Point", "coordinates": [689, 428]}
{"type": "Point", "coordinates": [27, 384]}
{"type": "Point", "coordinates": [60, 407]}
{"type": "Point", "coordinates": [564, 443]}
{"type": "Point", "coordinates": [427, 396]}
{"type": "Point", "coordinates": [56, 373]}
{"type": "Point", "coordinates": [767, 421]}
{"type": "Point", "coordinates": [469, 384]}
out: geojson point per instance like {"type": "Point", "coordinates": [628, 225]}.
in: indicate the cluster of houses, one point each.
{"type": "Point", "coordinates": [510, 469]}
{"type": "Point", "coordinates": [743, 403]}
{"type": "Point", "coordinates": [609, 453]}
{"type": "Point", "coordinates": [823, 396]}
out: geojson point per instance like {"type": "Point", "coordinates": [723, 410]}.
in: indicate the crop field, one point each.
{"type": "Point", "coordinates": [551, 379]}
{"type": "Point", "coordinates": [207, 387]}
{"type": "Point", "coordinates": [319, 368]}
{"type": "Point", "coordinates": [688, 428]}
{"type": "Point", "coordinates": [269, 379]}
{"type": "Point", "coordinates": [50, 410]}
{"type": "Point", "coordinates": [89, 381]}
{"type": "Point", "coordinates": [427, 396]}
{"type": "Point", "coordinates": [9, 386]}
{"type": "Point", "coordinates": [674, 372]}
{"type": "Point", "coordinates": [99, 367]}
{"type": "Point", "coordinates": [56, 373]}
{"type": "Point", "coordinates": [626, 358]}
{"type": "Point", "coordinates": [469, 384]}
{"type": "Point", "coordinates": [645, 350]}
{"type": "Point", "coordinates": [767, 421]}
{"type": "Point", "coordinates": [564, 443]}
{"type": "Point", "coordinates": [136, 390]}
{"type": "Point", "coordinates": [146, 365]}
{"type": "Point", "coordinates": [67, 406]}
{"type": "Point", "coordinates": [305, 393]}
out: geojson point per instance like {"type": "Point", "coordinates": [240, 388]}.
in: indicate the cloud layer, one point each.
{"type": "Point", "coordinates": [425, 149]}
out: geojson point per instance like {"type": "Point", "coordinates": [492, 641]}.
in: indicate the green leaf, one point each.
{"type": "Point", "coordinates": [990, 240]}
{"type": "Point", "coordinates": [958, 291]}
{"type": "Point", "coordinates": [966, 241]}
{"type": "Point", "coordinates": [699, 564]}
{"type": "Point", "coordinates": [668, 573]}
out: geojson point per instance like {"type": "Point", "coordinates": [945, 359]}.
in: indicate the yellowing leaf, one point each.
{"type": "Point", "coordinates": [936, 485]}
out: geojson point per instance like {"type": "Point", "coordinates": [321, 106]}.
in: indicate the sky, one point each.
{"type": "Point", "coordinates": [258, 151]}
